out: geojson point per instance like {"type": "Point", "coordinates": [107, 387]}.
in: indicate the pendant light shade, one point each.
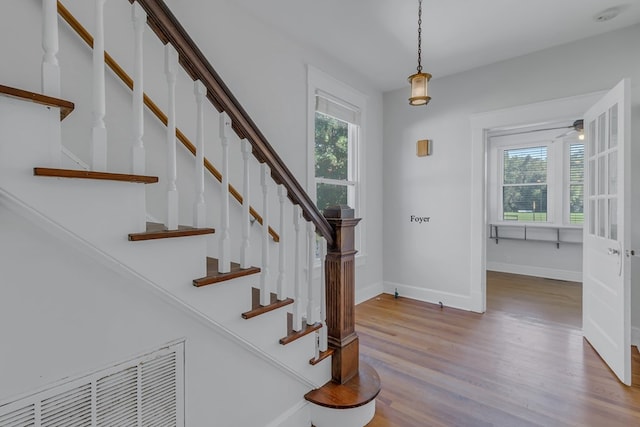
{"type": "Point", "coordinates": [419, 81]}
{"type": "Point", "coordinates": [419, 88]}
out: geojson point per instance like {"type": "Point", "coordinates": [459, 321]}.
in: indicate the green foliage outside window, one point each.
{"type": "Point", "coordinates": [576, 187]}
{"type": "Point", "coordinates": [524, 191]}
{"type": "Point", "coordinates": [330, 195]}
{"type": "Point", "coordinates": [331, 159]}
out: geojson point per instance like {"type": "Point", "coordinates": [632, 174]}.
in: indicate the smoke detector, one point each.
{"type": "Point", "coordinates": [607, 14]}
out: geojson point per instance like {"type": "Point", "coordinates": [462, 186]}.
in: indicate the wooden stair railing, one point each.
{"type": "Point", "coordinates": [336, 226]}
{"type": "Point", "coordinates": [169, 30]}
{"type": "Point", "coordinates": [82, 32]}
{"type": "Point", "coordinates": [338, 231]}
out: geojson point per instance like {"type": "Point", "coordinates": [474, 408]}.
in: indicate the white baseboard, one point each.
{"type": "Point", "coordinates": [298, 415]}
{"type": "Point", "coordinates": [527, 270]}
{"type": "Point", "coordinates": [462, 302]}
{"type": "Point", "coordinates": [368, 292]}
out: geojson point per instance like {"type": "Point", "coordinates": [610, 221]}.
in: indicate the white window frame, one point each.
{"type": "Point", "coordinates": [566, 208]}
{"type": "Point", "coordinates": [558, 204]}
{"type": "Point", "coordinates": [501, 151]}
{"type": "Point", "coordinates": [352, 164]}
{"type": "Point", "coordinates": [318, 82]}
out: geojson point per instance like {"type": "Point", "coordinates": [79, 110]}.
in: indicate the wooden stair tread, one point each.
{"type": "Point", "coordinates": [323, 355]}
{"type": "Point", "coordinates": [358, 391]}
{"type": "Point", "coordinates": [214, 277]}
{"type": "Point", "coordinates": [66, 107]}
{"type": "Point", "coordinates": [258, 309]}
{"type": "Point", "coordinates": [85, 174]}
{"type": "Point", "coordinates": [294, 335]}
{"type": "Point", "coordinates": [159, 231]}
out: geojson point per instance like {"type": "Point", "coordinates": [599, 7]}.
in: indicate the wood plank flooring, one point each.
{"type": "Point", "coordinates": [523, 363]}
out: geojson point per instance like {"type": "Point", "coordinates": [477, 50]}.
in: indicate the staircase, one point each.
{"type": "Point", "coordinates": [270, 302]}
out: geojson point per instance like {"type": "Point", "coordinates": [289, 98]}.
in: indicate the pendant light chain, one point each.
{"type": "Point", "coordinates": [419, 36]}
{"type": "Point", "coordinates": [419, 81]}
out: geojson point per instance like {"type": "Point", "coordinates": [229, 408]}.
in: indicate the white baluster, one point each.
{"type": "Point", "coordinates": [298, 304]}
{"type": "Point", "coordinates": [311, 255]}
{"type": "Point", "coordinates": [50, 66]}
{"type": "Point", "coordinates": [139, 19]}
{"type": "Point", "coordinates": [199, 207]}
{"type": "Point", "coordinates": [99, 131]}
{"type": "Point", "coordinates": [224, 262]}
{"type": "Point", "coordinates": [282, 283]}
{"type": "Point", "coordinates": [265, 179]}
{"type": "Point", "coordinates": [324, 337]}
{"type": "Point", "coordinates": [246, 221]}
{"type": "Point", "coordinates": [171, 70]}
{"type": "Point", "coordinates": [316, 354]}
{"type": "Point", "coordinates": [51, 70]}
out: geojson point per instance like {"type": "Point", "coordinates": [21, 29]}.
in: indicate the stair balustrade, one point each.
{"type": "Point", "coordinates": [180, 49]}
{"type": "Point", "coordinates": [306, 305]}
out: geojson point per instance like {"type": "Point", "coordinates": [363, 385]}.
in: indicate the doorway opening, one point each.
{"type": "Point", "coordinates": [535, 215]}
{"type": "Point", "coordinates": [606, 273]}
{"type": "Point", "coordinates": [543, 114]}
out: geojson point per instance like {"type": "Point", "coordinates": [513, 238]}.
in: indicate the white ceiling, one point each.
{"type": "Point", "coordinates": [379, 37]}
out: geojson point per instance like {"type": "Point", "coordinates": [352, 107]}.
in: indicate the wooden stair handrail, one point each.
{"type": "Point", "coordinates": [152, 106]}
{"type": "Point", "coordinates": [169, 30]}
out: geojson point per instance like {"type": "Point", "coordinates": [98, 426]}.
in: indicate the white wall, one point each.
{"type": "Point", "coordinates": [433, 261]}
{"type": "Point", "coordinates": [264, 69]}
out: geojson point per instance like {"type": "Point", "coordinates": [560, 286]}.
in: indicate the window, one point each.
{"type": "Point", "coordinates": [536, 177]}
{"type": "Point", "coordinates": [336, 134]}
{"type": "Point", "coordinates": [576, 185]}
{"type": "Point", "coordinates": [336, 117]}
{"type": "Point", "coordinates": [524, 184]}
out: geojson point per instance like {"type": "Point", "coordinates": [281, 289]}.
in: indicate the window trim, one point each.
{"type": "Point", "coordinates": [501, 151]}
{"type": "Point", "coordinates": [558, 183]}
{"type": "Point", "coordinates": [566, 208]}
{"type": "Point", "coordinates": [318, 82]}
{"type": "Point", "coordinates": [500, 148]}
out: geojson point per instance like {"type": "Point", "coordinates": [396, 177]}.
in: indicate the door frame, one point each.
{"type": "Point", "coordinates": [541, 113]}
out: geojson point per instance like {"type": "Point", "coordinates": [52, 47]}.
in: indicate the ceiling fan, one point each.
{"type": "Point", "coordinates": [576, 127]}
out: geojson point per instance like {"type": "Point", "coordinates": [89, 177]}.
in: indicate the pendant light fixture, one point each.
{"type": "Point", "coordinates": [419, 81]}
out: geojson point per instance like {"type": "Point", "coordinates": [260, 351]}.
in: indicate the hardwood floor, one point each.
{"type": "Point", "coordinates": [522, 363]}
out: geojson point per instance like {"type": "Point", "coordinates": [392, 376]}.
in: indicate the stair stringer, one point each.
{"type": "Point", "coordinates": [225, 301]}
{"type": "Point", "coordinates": [298, 410]}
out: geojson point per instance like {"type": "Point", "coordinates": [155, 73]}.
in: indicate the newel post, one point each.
{"type": "Point", "coordinates": [340, 292]}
